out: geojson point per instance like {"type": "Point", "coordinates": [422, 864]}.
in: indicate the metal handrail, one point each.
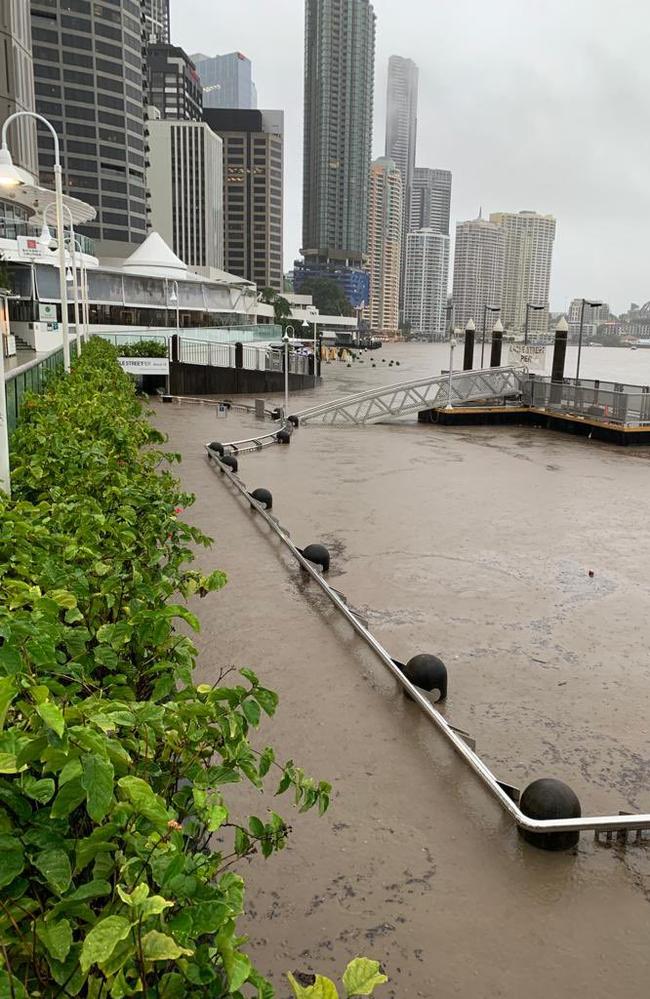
{"type": "Point", "coordinates": [602, 823]}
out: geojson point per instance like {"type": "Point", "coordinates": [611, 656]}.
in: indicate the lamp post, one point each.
{"type": "Point", "coordinates": [593, 305]}
{"type": "Point", "coordinates": [534, 308]}
{"type": "Point", "coordinates": [173, 298]}
{"type": "Point", "coordinates": [11, 177]}
{"type": "Point", "coordinates": [452, 344]}
{"type": "Point", "coordinates": [285, 341]}
{"type": "Point", "coordinates": [486, 309]}
{"type": "Point", "coordinates": [45, 237]}
{"type": "Point", "coordinates": [5, 471]}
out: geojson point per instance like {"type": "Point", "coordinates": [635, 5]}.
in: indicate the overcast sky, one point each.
{"type": "Point", "coordinates": [532, 104]}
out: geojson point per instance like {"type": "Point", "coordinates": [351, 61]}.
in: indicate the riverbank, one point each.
{"type": "Point", "coordinates": [474, 544]}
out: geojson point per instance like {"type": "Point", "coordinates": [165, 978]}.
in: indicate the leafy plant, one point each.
{"type": "Point", "coordinates": [361, 978]}
{"type": "Point", "coordinates": [144, 348]}
{"type": "Point", "coordinates": [118, 841]}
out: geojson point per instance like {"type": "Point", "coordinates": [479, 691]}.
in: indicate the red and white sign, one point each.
{"type": "Point", "coordinates": [29, 247]}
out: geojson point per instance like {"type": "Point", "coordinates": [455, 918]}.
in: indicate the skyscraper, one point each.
{"type": "Point", "coordinates": [528, 254]}
{"type": "Point", "coordinates": [17, 81]}
{"type": "Point", "coordinates": [425, 283]}
{"type": "Point", "coordinates": [156, 21]}
{"type": "Point", "coordinates": [430, 202]}
{"type": "Point", "coordinates": [478, 272]}
{"type": "Point", "coordinates": [253, 154]}
{"type": "Point", "coordinates": [173, 84]}
{"type": "Point", "coordinates": [384, 245]}
{"type": "Point", "coordinates": [185, 181]}
{"type": "Point", "coordinates": [89, 76]}
{"type": "Point", "coordinates": [339, 90]}
{"type": "Point", "coordinates": [401, 130]}
{"type": "Point", "coordinates": [226, 80]}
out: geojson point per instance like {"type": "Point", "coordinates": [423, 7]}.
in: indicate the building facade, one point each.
{"type": "Point", "coordinates": [478, 273]}
{"type": "Point", "coordinates": [227, 81]}
{"type": "Point", "coordinates": [338, 113]}
{"type": "Point", "coordinates": [385, 222]}
{"type": "Point", "coordinates": [185, 180]}
{"type": "Point", "coordinates": [430, 202]}
{"type": "Point", "coordinates": [89, 73]}
{"type": "Point", "coordinates": [156, 21]}
{"type": "Point", "coordinates": [174, 87]}
{"type": "Point", "coordinates": [17, 81]}
{"type": "Point", "coordinates": [253, 166]}
{"type": "Point", "coordinates": [401, 132]}
{"type": "Point", "coordinates": [425, 285]}
{"type": "Point", "coordinates": [528, 256]}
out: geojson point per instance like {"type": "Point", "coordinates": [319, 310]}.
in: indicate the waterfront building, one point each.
{"type": "Point", "coordinates": [528, 255]}
{"type": "Point", "coordinates": [173, 84]}
{"type": "Point", "coordinates": [385, 220]}
{"type": "Point", "coordinates": [89, 74]}
{"type": "Point", "coordinates": [338, 113]}
{"type": "Point", "coordinates": [227, 80]}
{"type": "Point", "coordinates": [185, 181]}
{"type": "Point", "coordinates": [156, 21]}
{"type": "Point", "coordinates": [17, 82]}
{"type": "Point", "coordinates": [478, 272]}
{"type": "Point", "coordinates": [430, 201]}
{"type": "Point", "coordinates": [253, 164]}
{"type": "Point", "coordinates": [401, 133]}
{"type": "Point", "coordinates": [425, 286]}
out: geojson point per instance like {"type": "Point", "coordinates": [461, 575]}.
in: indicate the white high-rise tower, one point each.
{"type": "Point", "coordinates": [528, 254]}
{"type": "Point", "coordinates": [478, 272]}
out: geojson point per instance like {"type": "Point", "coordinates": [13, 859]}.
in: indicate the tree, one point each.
{"type": "Point", "coordinates": [281, 307]}
{"type": "Point", "coordinates": [328, 296]}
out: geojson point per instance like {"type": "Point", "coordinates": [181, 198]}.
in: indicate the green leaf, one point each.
{"type": "Point", "coordinates": [207, 917]}
{"type": "Point", "coordinates": [145, 801]}
{"type": "Point", "coordinates": [238, 968]}
{"type": "Point", "coordinates": [52, 716]}
{"type": "Point", "coordinates": [242, 842]}
{"type": "Point", "coordinates": [10, 987]}
{"type": "Point", "coordinates": [362, 976]}
{"type": "Point", "coordinates": [56, 937]}
{"type": "Point", "coordinates": [69, 797]}
{"type": "Point", "coordinates": [54, 865]}
{"type": "Point", "coordinates": [7, 693]}
{"type": "Point", "coordinates": [217, 815]}
{"type": "Point", "coordinates": [13, 860]}
{"type": "Point", "coordinates": [39, 790]}
{"type": "Point", "coordinates": [315, 987]}
{"type": "Point", "coordinates": [136, 897]}
{"type": "Point", "coordinates": [97, 781]}
{"type": "Point", "coordinates": [161, 947]}
{"type": "Point", "coordinates": [63, 598]}
{"type": "Point", "coordinates": [267, 699]}
{"type": "Point", "coordinates": [266, 760]}
{"type": "Point", "coordinates": [251, 710]}
{"type": "Point", "coordinates": [102, 940]}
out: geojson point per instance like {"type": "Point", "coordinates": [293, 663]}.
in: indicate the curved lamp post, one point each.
{"type": "Point", "coordinates": [45, 239]}
{"type": "Point", "coordinates": [10, 176]}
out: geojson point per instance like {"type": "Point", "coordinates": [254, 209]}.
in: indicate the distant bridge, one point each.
{"type": "Point", "coordinates": [403, 398]}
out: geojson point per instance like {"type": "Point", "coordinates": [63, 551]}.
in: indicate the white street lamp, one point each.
{"type": "Point", "coordinates": [285, 341]}
{"type": "Point", "coordinates": [71, 276]}
{"type": "Point", "coordinates": [10, 176]}
{"type": "Point", "coordinates": [5, 471]}
{"type": "Point", "coordinates": [452, 344]}
{"type": "Point", "coordinates": [173, 298]}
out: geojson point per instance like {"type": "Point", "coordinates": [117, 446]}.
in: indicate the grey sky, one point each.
{"type": "Point", "coordinates": [532, 104]}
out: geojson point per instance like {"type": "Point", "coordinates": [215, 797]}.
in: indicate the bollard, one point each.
{"type": "Point", "coordinates": [497, 346]}
{"type": "Point", "coordinates": [317, 554]}
{"type": "Point", "coordinates": [550, 799]}
{"type": "Point", "coordinates": [559, 357]}
{"type": "Point", "coordinates": [239, 355]}
{"type": "Point", "coordinates": [264, 497]}
{"type": "Point", "coordinates": [468, 356]}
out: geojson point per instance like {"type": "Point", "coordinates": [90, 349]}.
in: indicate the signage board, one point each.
{"type": "Point", "coordinates": [144, 365]}
{"type": "Point", "coordinates": [222, 411]}
{"type": "Point", "coordinates": [46, 312]}
{"type": "Point", "coordinates": [528, 355]}
{"type": "Point", "coordinates": [29, 248]}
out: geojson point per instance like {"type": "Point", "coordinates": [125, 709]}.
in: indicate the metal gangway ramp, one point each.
{"type": "Point", "coordinates": [402, 398]}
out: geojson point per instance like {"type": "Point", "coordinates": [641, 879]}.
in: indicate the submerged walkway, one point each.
{"type": "Point", "coordinates": [414, 864]}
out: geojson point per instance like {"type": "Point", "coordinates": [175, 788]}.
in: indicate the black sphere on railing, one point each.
{"type": "Point", "coordinates": [319, 555]}
{"type": "Point", "coordinates": [429, 673]}
{"type": "Point", "coordinates": [548, 798]}
{"type": "Point", "coordinates": [230, 462]}
{"type": "Point", "coordinates": [264, 497]}
{"type": "Point", "coordinates": [216, 446]}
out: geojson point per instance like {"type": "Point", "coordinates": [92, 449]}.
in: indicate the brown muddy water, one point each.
{"type": "Point", "coordinates": [474, 544]}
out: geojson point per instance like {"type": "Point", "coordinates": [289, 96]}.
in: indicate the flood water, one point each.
{"type": "Point", "coordinates": [474, 544]}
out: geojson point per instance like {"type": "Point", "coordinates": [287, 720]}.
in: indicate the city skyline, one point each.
{"type": "Point", "coordinates": [520, 113]}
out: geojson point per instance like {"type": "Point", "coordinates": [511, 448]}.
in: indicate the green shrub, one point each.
{"type": "Point", "coordinates": [143, 348]}
{"type": "Point", "coordinates": [360, 978]}
{"type": "Point", "coordinates": [117, 840]}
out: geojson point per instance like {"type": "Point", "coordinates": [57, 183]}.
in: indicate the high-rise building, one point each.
{"type": "Point", "coordinates": [185, 181]}
{"type": "Point", "coordinates": [174, 87]}
{"type": "Point", "coordinates": [478, 273]}
{"type": "Point", "coordinates": [528, 254]}
{"type": "Point", "coordinates": [430, 202]}
{"type": "Point", "coordinates": [156, 21]}
{"type": "Point", "coordinates": [339, 90]}
{"type": "Point", "coordinates": [425, 284]}
{"type": "Point", "coordinates": [89, 74]}
{"type": "Point", "coordinates": [401, 132]}
{"type": "Point", "coordinates": [253, 156]}
{"type": "Point", "coordinates": [17, 81]}
{"type": "Point", "coordinates": [384, 245]}
{"type": "Point", "coordinates": [227, 80]}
